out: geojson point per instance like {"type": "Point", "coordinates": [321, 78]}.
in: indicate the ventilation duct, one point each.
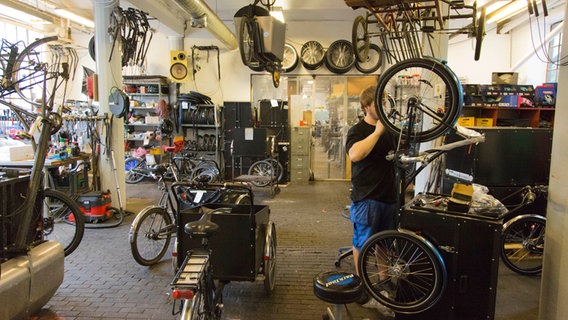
{"type": "Point", "coordinates": [201, 12]}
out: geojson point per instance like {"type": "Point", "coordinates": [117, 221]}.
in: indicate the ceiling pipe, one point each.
{"type": "Point", "coordinates": [198, 10]}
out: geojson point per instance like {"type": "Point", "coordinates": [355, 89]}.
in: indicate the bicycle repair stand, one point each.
{"type": "Point", "coordinates": [339, 288]}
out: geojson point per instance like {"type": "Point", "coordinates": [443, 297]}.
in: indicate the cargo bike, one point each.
{"type": "Point", "coordinates": [218, 243]}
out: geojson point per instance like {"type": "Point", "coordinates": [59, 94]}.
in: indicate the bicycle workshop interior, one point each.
{"type": "Point", "coordinates": [166, 159]}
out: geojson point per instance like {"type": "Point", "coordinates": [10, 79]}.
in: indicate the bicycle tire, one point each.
{"type": "Point", "coordinates": [522, 244]}
{"type": "Point", "coordinates": [184, 166]}
{"type": "Point", "coordinates": [134, 168]}
{"type": "Point", "coordinates": [150, 235]}
{"type": "Point", "coordinates": [290, 58]}
{"type": "Point", "coordinates": [373, 62]}
{"type": "Point", "coordinates": [479, 34]}
{"type": "Point", "coordinates": [416, 275]}
{"type": "Point", "coordinates": [270, 259]}
{"type": "Point", "coordinates": [246, 40]}
{"type": "Point", "coordinates": [28, 72]}
{"type": "Point", "coordinates": [64, 222]}
{"type": "Point", "coordinates": [263, 168]}
{"type": "Point", "coordinates": [435, 89]}
{"type": "Point", "coordinates": [360, 38]}
{"type": "Point", "coordinates": [339, 57]}
{"type": "Point", "coordinates": [312, 55]}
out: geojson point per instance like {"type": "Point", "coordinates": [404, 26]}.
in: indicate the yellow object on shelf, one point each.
{"type": "Point", "coordinates": [466, 121]}
{"type": "Point", "coordinates": [484, 122]}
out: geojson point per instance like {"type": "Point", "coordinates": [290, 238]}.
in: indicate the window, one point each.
{"type": "Point", "coordinates": [554, 51]}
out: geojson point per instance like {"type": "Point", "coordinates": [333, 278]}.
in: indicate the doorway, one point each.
{"type": "Point", "coordinates": [329, 105]}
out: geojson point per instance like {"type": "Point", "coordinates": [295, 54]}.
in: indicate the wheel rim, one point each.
{"type": "Point", "coordinates": [312, 55]}
{"type": "Point", "coordinates": [435, 91]}
{"type": "Point", "coordinates": [134, 170]}
{"type": "Point", "coordinates": [151, 239]}
{"type": "Point", "coordinates": [270, 262]}
{"type": "Point", "coordinates": [63, 220]}
{"type": "Point", "coordinates": [373, 62]}
{"type": "Point", "coordinates": [339, 57]}
{"type": "Point", "coordinates": [262, 169]}
{"type": "Point", "coordinates": [290, 58]}
{"type": "Point", "coordinates": [523, 246]}
{"type": "Point", "coordinates": [247, 44]}
{"type": "Point", "coordinates": [414, 274]}
{"type": "Point", "coordinates": [479, 34]}
{"type": "Point", "coordinates": [360, 38]}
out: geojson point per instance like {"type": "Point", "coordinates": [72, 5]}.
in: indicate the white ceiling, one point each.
{"type": "Point", "coordinates": [294, 10]}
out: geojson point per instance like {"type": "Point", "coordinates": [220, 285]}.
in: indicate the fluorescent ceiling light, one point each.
{"type": "Point", "coordinates": [17, 15]}
{"type": "Point", "coordinates": [277, 13]}
{"type": "Point", "coordinates": [74, 17]}
{"type": "Point", "coordinates": [509, 10]}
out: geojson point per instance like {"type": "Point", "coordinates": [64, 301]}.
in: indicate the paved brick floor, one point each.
{"type": "Point", "coordinates": [102, 280]}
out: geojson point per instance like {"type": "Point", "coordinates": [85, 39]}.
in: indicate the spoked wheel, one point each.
{"type": "Point", "coordinates": [360, 38]}
{"type": "Point", "coordinates": [340, 58]}
{"type": "Point", "coordinates": [30, 71]}
{"type": "Point", "coordinates": [290, 59]}
{"type": "Point", "coordinates": [479, 33]}
{"type": "Point", "coordinates": [270, 259]}
{"type": "Point", "coordinates": [150, 235]}
{"type": "Point", "coordinates": [247, 42]}
{"type": "Point", "coordinates": [135, 168]}
{"type": "Point", "coordinates": [427, 99]}
{"type": "Point", "coordinates": [523, 244]}
{"type": "Point", "coordinates": [184, 167]}
{"type": "Point", "coordinates": [312, 55]}
{"type": "Point", "coordinates": [63, 220]}
{"type": "Point", "coordinates": [263, 168]}
{"type": "Point", "coordinates": [402, 270]}
{"type": "Point", "coordinates": [373, 62]}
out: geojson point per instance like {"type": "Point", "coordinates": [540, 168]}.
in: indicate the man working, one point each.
{"type": "Point", "coordinates": [373, 179]}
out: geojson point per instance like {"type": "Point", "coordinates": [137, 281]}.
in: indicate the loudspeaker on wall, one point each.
{"type": "Point", "coordinates": [178, 66]}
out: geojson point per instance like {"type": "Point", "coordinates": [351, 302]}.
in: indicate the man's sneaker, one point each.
{"type": "Point", "coordinates": [374, 304]}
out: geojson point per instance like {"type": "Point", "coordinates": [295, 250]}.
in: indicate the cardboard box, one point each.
{"type": "Point", "coordinates": [16, 153]}
{"type": "Point", "coordinates": [484, 122]}
{"type": "Point", "coordinates": [466, 121]}
{"type": "Point", "coordinates": [152, 120]}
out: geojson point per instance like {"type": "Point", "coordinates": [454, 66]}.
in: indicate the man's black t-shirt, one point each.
{"type": "Point", "coordinates": [372, 177]}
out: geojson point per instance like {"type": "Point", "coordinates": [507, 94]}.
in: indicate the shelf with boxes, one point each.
{"type": "Point", "coordinates": [507, 105]}
{"type": "Point", "coordinates": [149, 95]}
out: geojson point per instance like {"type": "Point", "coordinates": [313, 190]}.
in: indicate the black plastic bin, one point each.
{"type": "Point", "coordinates": [238, 246]}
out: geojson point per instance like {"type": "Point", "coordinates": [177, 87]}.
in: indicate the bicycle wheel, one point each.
{"type": "Point", "coordinates": [414, 274]}
{"type": "Point", "coordinates": [360, 38]}
{"type": "Point", "coordinates": [205, 172]}
{"type": "Point", "coordinates": [30, 73]}
{"type": "Point", "coordinates": [279, 169]}
{"type": "Point", "coordinates": [523, 244]}
{"type": "Point", "coordinates": [270, 259]}
{"type": "Point", "coordinates": [427, 99]}
{"type": "Point", "coordinates": [184, 167]}
{"type": "Point", "coordinates": [373, 62]}
{"type": "Point", "coordinates": [63, 220]}
{"type": "Point", "coordinates": [246, 41]}
{"type": "Point", "coordinates": [262, 168]}
{"type": "Point", "coordinates": [339, 57]}
{"type": "Point", "coordinates": [479, 34]}
{"type": "Point", "coordinates": [135, 168]}
{"type": "Point", "coordinates": [290, 59]}
{"type": "Point", "coordinates": [312, 55]}
{"type": "Point", "coordinates": [150, 235]}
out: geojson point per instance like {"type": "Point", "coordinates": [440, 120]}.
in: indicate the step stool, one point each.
{"type": "Point", "coordinates": [339, 288]}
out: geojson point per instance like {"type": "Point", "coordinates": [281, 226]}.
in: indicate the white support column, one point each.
{"type": "Point", "coordinates": [554, 282]}
{"type": "Point", "coordinates": [109, 77]}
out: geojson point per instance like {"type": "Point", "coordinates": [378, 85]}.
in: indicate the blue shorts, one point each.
{"type": "Point", "coordinates": [370, 217]}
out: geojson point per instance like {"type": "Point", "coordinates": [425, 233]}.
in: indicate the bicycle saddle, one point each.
{"type": "Point", "coordinates": [202, 228]}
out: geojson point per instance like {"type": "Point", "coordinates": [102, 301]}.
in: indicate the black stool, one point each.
{"type": "Point", "coordinates": [339, 288]}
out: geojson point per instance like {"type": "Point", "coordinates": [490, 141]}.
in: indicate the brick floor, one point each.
{"type": "Point", "coordinates": [102, 280]}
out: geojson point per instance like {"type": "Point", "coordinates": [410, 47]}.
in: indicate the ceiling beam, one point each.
{"type": "Point", "coordinates": [31, 10]}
